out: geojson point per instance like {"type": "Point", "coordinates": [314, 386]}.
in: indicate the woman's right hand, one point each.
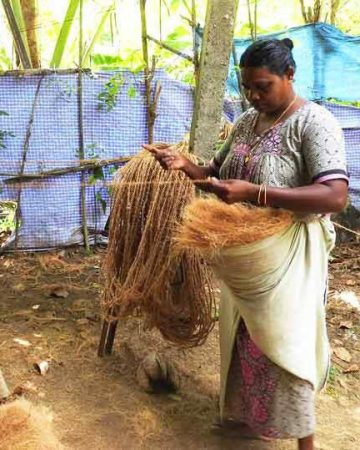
{"type": "Point", "coordinates": [168, 158]}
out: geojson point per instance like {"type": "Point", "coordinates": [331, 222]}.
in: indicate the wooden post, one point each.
{"type": "Point", "coordinates": [214, 64]}
{"type": "Point", "coordinates": [147, 70]}
{"type": "Point", "coordinates": [81, 135]}
{"type": "Point", "coordinates": [30, 15]}
{"type": "Point", "coordinates": [23, 160]}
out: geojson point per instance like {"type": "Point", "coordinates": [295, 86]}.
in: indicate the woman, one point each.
{"type": "Point", "coordinates": [285, 152]}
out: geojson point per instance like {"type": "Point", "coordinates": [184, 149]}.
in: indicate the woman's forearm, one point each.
{"type": "Point", "coordinates": [196, 172]}
{"type": "Point", "coordinates": [316, 198]}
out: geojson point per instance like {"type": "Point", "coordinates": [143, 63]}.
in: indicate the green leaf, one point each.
{"type": "Point", "coordinates": [132, 92]}
{"type": "Point", "coordinates": [179, 32]}
{"type": "Point", "coordinates": [99, 173]}
{"type": "Point", "coordinates": [64, 34]}
{"type": "Point", "coordinates": [91, 180]}
{"type": "Point", "coordinates": [101, 201]}
{"type": "Point", "coordinates": [4, 113]}
{"type": "Point", "coordinates": [107, 60]}
{"type": "Point", "coordinates": [97, 34]}
{"type": "Point", "coordinates": [179, 39]}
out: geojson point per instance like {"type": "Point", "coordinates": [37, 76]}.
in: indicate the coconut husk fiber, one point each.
{"type": "Point", "coordinates": [25, 426]}
{"type": "Point", "coordinates": [209, 225]}
{"type": "Point", "coordinates": [142, 276]}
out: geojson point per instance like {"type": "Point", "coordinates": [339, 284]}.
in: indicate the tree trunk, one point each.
{"type": "Point", "coordinates": [29, 11]}
{"type": "Point", "coordinates": [214, 64]}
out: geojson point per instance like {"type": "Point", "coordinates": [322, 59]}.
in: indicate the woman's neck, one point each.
{"type": "Point", "coordinates": [273, 115]}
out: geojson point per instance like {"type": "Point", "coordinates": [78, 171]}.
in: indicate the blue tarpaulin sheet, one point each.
{"type": "Point", "coordinates": [328, 62]}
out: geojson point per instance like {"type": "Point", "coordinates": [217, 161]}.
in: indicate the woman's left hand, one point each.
{"type": "Point", "coordinates": [230, 191]}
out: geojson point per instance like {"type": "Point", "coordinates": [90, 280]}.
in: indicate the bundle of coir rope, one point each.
{"type": "Point", "coordinates": [142, 275]}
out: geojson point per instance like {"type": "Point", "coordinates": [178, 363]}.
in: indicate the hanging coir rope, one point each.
{"type": "Point", "coordinates": [142, 277]}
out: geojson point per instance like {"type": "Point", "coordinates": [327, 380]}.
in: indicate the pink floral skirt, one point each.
{"type": "Point", "coordinates": [270, 400]}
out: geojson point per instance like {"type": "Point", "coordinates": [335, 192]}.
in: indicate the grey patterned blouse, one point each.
{"type": "Point", "coordinates": [307, 147]}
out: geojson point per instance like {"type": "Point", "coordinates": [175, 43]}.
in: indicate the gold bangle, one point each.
{"type": "Point", "coordinates": [259, 194]}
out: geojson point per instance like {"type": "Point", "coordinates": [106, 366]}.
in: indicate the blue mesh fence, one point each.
{"type": "Point", "coordinates": [51, 208]}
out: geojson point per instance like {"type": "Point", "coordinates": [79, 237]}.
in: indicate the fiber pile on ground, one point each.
{"type": "Point", "coordinates": [142, 276]}
{"type": "Point", "coordinates": [24, 426]}
{"type": "Point", "coordinates": [209, 225]}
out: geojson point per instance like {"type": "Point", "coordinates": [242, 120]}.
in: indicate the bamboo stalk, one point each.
{"type": "Point", "coordinates": [251, 22]}
{"type": "Point", "coordinates": [147, 71]}
{"type": "Point", "coordinates": [85, 166]}
{"type": "Point", "coordinates": [170, 49]}
{"type": "Point", "coordinates": [195, 44]}
{"type": "Point", "coordinates": [81, 134]}
{"type": "Point", "coordinates": [23, 160]}
{"type": "Point", "coordinates": [153, 106]}
{"type": "Point", "coordinates": [19, 42]}
{"type": "Point", "coordinates": [30, 18]}
{"type": "Point", "coordinates": [16, 7]}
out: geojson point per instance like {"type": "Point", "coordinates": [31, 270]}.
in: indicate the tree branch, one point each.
{"type": "Point", "coordinates": [171, 49]}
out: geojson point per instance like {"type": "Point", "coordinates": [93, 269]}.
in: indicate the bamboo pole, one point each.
{"type": "Point", "coordinates": [33, 72]}
{"type": "Point", "coordinates": [81, 134]}
{"type": "Point", "coordinates": [84, 166]}
{"type": "Point", "coordinates": [30, 18]}
{"type": "Point", "coordinates": [23, 160]}
{"type": "Point", "coordinates": [195, 43]}
{"type": "Point", "coordinates": [19, 42]}
{"type": "Point", "coordinates": [147, 71]}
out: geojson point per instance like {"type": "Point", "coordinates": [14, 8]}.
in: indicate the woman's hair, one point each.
{"type": "Point", "coordinates": [274, 54]}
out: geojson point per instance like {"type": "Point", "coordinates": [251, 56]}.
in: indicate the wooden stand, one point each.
{"type": "Point", "coordinates": [107, 338]}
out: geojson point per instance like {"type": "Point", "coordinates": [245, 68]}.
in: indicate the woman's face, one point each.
{"type": "Point", "coordinates": [266, 91]}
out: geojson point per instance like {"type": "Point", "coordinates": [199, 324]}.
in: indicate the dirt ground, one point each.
{"type": "Point", "coordinates": [96, 401]}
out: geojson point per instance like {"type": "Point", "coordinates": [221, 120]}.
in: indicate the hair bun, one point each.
{"type": "Point", "coordinates": [288, 43]}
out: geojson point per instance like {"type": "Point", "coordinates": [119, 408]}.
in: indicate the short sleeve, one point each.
{"type": "Point", "coordinates": [323, 147]}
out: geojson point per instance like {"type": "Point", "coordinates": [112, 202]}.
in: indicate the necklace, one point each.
{"type": "Point", "coordinates": [256, 144]}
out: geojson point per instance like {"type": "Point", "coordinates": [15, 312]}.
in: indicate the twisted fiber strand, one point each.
{"type": "Point", "coordinates": [142, 275]}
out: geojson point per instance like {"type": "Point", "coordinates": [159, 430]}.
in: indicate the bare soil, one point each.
{"type": "Point", "coordinates": [97, 403]}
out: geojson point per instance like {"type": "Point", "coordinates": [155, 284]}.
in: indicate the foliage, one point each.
{"type": "Point", "coordinates": [111, 43]}
{"type": "Point", "coordinates": [4, 133]}
{"type": "Point", "coordinates": [64, 33]}
{"type": "Point", "coordinates": [97, 35]}
{"type": "Point", "coordinates": [107, 97]}
{"type": "Point", "coordinates": [5, 61]}
{"type": "Point", "coordinates": [7, 216]}
{"type": "Point", "coordinates": [345, 103]}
